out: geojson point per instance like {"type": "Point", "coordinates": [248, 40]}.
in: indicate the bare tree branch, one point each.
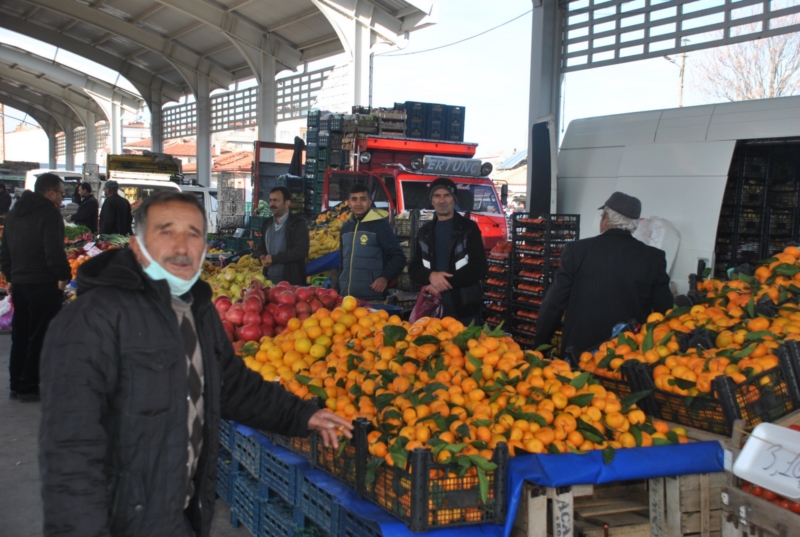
{"type": "Point", "coordinates": [758, 69]}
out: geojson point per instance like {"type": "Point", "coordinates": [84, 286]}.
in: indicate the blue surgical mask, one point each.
{"type": "Point", "coordinates": [177, 286]}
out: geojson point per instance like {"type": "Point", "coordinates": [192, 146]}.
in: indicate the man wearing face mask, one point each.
{"type": "Point", "coordinates": [136, 378]}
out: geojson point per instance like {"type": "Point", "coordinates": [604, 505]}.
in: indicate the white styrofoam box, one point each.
{"type": "Point", "coordinates": [771, 459]}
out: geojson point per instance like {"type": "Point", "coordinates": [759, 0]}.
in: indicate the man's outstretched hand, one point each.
{"type": "Point", "coordinates": [330, 426]}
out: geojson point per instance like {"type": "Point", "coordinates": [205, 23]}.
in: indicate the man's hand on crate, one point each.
{"type": "Point", "coordinates": [330, 427]}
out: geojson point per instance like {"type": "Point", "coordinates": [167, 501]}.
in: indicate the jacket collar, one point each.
{"type": "Point", "coordinates": [614, 231]}
{"type": "Point", "coordinates": [119, 269]}
{"type": "Point", "coordinates": [372, 215]}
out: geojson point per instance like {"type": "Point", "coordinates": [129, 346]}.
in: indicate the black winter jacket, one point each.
{"type": "Point", "coordinates": [33, 242]}
{"type": "Point", "coordinates": [86, 215]}
{"type": "Point", "coordinates": [115, 217]}
{"type": "Point", "coordinates": [368, 250]}
{"type": "Point", "coordinates": [113, 435]}
{"type": "Point", "coordinates": [602, 281]}
{"type": "Point", "coordinates": [467, 262]}
{"type": "Point", "coordinates": [297, 245]}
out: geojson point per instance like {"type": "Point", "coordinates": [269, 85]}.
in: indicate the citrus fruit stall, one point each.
{"type": "Point", "coordinates": [451, 420]}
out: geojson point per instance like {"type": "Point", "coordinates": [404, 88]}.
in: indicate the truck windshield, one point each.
{"type": "Point", "coordinates": [470, 197]}
{"type": "Point", "coordinates": [339, 185]}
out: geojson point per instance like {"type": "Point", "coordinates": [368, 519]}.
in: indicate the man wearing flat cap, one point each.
{"type": "Point", "coordinates": [605, 280]}
{"type": "Point", "coordinates": [115, 217]}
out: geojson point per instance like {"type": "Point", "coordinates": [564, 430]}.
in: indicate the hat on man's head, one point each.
{"type": "Point", "coordinates": [442, 183]}
{"type": "Point", "coordinates": [624, 204]}
{"type": "Point", "coordinates": [111, 185]}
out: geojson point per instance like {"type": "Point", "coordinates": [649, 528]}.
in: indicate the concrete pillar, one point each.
{"type": "Point", "coordinates": [362, 42]}
{"type": "Point", "coordinates": [69, 148]}
{"type": "Point", "coordinates": [267, 92]}
{"type": "Point", "coordinates": [156, 123]}
{"type": "Point", "coordinates": [203, 131]}
{"type": "Point", "coordinates": [115, 128]}
{"type": "Point", "coordinates": [545, 96]}
{"type": "Point", "coordinates": [51, 149]}
{"type": "Point", "coordinates": [90, 156]}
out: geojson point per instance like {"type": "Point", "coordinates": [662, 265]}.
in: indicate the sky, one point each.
{"type": "Point", "coordinates": [488, 75]}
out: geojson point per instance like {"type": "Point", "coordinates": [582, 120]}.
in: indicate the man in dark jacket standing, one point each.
{"type": "Point", "coordinates": [605, 280]}
{"type": "Point", "coordinates": [450, 258]}
{"type": "Point", "coordinates": [35, 264]}
{"type": "Point", "coordinates": [370, 256]}
{"type": "Point", "coordinates": [5, 200]}
{"type": "Point", "coordinates": [136, 378]}
{"type": "Point", "coordinates": [283, 247]}
{"type": "Point", "coordinates": [115, 217]}
{"type": "Point", "coordinates": [86, 215]}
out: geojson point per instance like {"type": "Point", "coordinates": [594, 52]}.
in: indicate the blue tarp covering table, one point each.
{"type": "Point", "coordinates": [547, 471]}
{"type": "Point", "coordinates": [322, 264]}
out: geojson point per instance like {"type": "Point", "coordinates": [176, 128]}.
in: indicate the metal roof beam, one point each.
{"type": "Point", "coordinates": [294, 20]}
{"type": "Point", "coordinates": [76, 101]}
{"type": "Point", "coordinates": [143, 80]}
{"type": "Point", "coordinates": [45, 102]}
{"type": "Point", "coordinates": [46, 119]}
{"type": "Point", "coordinates": [190, 65]}
{"type": "Point", "coordinates": [90, 84]}
{"type": "Point", "coordinates": [250, 38]}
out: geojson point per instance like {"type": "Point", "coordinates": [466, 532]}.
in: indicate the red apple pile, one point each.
{"type": "Point", "coordinates": [265, 311]}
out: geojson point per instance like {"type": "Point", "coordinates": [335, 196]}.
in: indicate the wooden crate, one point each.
{"type": "Point", "coordinates": [745, 514]}
{"type": "Point", "coordinates": [693, 506]}
{"type": "Point", "coordinates": [615, 510]}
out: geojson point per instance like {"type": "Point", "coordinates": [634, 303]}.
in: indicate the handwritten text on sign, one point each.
{"type": "Point", "coordinates": [771, 459]}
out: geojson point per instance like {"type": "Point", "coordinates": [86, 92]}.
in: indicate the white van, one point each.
{"type": "Point", "coordinates": [208, 199]}
{"type": "Point", "coordinates": [71, 181]}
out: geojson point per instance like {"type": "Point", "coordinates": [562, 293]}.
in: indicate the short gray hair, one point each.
{"type": "Point", "coordinates": [618, 221]}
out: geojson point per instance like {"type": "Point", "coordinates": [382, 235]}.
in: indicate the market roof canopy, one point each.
{"type": "Point", "coordinates": [165, 45]}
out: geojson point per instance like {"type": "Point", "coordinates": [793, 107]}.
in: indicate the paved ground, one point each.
{"type": "Point", "coordinates": [20, 499]}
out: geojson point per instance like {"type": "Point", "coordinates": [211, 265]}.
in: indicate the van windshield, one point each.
{"type": "Point", "coordinates": [469, 197]}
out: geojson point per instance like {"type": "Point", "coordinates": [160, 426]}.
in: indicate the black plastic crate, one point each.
{"type": "Point", "coordinates": [312, 150]}
{"type": "Point", "coordinates": [312, 136]}
{"type": "Point", "coordinates": [295, 444]}
{"type": "Point", "coordinates": [762, 398]}
{"type": "Point", "coordinates": [247, 452]}
{"type": "Point", "coordinates": [414, 130]}
{"type": "Point", "coordinates": [312, 120]}
{"type": "Point", "coordinates": [296, 185]}
{"type": "Point", "coordinates": [339, 157]}
{"type": "Point", "coordinates": [454, 134]}
{"type": "Point", "coordinates": [424, 496]}
{"type": "Point", "coordinates": [353, 525]}
{"type": "Point", "coordinates": [331, 140]}
{"type": "Point", "coordinates": [340, 463]}
{"type": "Point", "coordinates": [727, 220]}
{"type": "Point", "coordinates": [226, 469]}
{"type": "Point", "coordinates": [335, 122]}
{"type": "Point", "coordinates": [279, 519]}
{"type": "Point", "coordinates": [753, 193]}
{"type": "Point", "coordinates": [750, 222]}
{"type": "Point", "coordinates": [781, 222]}
{"type": "Point", "coordinates": [456, 116]}
{"type": "Point", "coordinates": [436, 112]}
{"type": "Point", "coordinates": [322, 165]}
{"type": "Point", "coordinates": [226, 435]}
{"type": "Point", "coordinates": [416, 113]}
{"type": "Point", "coordinates": [246, 503]}
{"type": "Point", "coordinates": [256, 222]}
{"type": "Point", "coordinates": [319, 506]}
{"type": "Point", "coordinates": [782, 195]}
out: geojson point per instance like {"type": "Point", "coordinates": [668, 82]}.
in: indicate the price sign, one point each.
{"type": "Point", "coordinates": [88, 246]}
{"type": "Point", "coordinates": [771, 459]}
{"type": "Point", "coordinates": [94, 251]}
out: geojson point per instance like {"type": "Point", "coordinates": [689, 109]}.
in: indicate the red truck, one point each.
{"type": "Point", "coordinates": [398, 173]}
